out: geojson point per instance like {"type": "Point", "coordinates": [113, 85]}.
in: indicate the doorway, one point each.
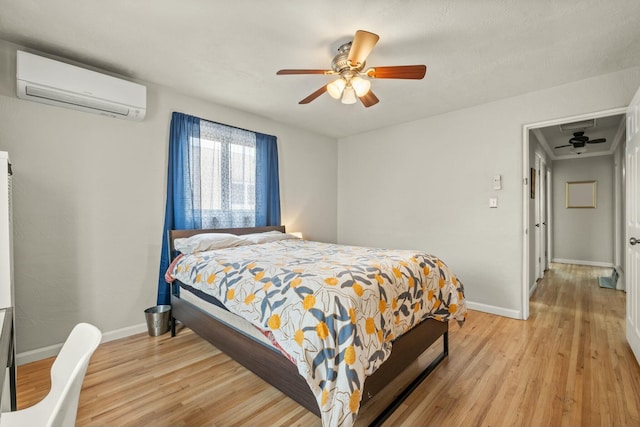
{"type": "Point", "coordinates": [539, 154]}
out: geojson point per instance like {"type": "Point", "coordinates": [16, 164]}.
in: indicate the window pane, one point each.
{"type": "Point", "coordinates": [228, 175]}
{"type": "Point", "coordinates": [210, 171]}
{"type": "Point", "coordinates": [243, 170]}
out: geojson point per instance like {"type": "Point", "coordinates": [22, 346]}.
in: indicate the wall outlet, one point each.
{"type": "Point", "coordinates": [493, 202]}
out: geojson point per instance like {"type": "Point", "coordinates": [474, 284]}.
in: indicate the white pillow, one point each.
{"type": "Point", "coordinates": [206, 242]}
{"type": "Point", "coordinates": [268, 236]}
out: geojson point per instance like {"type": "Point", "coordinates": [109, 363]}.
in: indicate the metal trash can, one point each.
{"type": "Point", "coordinates": [158, 319]}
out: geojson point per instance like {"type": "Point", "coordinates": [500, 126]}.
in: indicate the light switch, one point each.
{"type": "Point", "coordinates": [493, 202]}
{"type": "Point", "coordinates": [497, 182]}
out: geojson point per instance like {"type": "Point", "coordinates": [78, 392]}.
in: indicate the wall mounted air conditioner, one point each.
{"type": "Point", "coordinates": [52, 82]}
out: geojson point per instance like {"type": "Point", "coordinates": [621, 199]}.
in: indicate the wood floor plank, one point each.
{"type": "Point", "coordinates": [568, 365]}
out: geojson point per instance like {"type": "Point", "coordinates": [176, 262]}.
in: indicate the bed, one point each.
{"type": "Point", "coordinates": [315, 319]}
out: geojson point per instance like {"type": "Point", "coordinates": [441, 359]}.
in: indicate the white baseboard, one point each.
{"type": "Point", "coordinates": [37, 354]}
{"type": "Point", "coordinates": [124, 332]}
{"type": "Point", "coordinates": [533, 288]}
{"type": "Point", "coordinates": [581, 262]}
{"type": "Point", "coordinates": [492, 309]}
{"type": "Point", "coordinates": [53, 350]}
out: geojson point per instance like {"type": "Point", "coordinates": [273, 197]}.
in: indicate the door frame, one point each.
{"type": "Point", "coordinates": [542, 207]}
{"type": "Point", "coordinates": [549, 209]}
{"type": "Point", "coordinates": [541, 219]}
{"type": "Point", "coordinates": [620, 242]}
{"type": "Point", "coordinates": [526, 233]}
{"type": "Point", "coordinates": [537, 220]}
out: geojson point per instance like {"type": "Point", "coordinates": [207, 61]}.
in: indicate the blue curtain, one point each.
{"type": "Point", "coordinates": [267, 181]}
{"type": "Point", "coordinates": [183, 209]}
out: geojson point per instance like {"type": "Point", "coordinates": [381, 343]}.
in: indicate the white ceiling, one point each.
{"type": "Point", "coordinates": [554, 138]}
{"type": "Point", "coordinates": [476, 51]}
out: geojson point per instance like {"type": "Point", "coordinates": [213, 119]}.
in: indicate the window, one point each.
{"type": "Point", "coordinates": [227, 175]}
{"type": "Point", "coordinates": [218, 177]}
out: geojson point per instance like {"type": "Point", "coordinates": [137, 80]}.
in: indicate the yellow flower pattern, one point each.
{"type": "Point", "coordinates": [334, 309]}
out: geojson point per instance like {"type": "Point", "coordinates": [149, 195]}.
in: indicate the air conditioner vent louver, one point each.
{"type": "Point", "coordinates": [581, 125]}
{"type": "Point", "coordinates": [51, 82]}
{"type": "Point", "coordinates": [75, 100]}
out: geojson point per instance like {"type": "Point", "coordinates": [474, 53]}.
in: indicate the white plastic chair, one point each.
{"type": "Point", "coordinates": [59, 408]}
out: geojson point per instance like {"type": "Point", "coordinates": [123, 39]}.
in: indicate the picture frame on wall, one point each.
{"type": "Point", "coordinates": [581, 194]}
{"type": "Point", "coordinates": [532, 180]}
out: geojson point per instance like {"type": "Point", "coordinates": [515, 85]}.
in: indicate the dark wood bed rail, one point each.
{"type": "Point", "coordinates": [278, 371]}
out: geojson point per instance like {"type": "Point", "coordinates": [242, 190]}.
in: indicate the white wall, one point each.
{"type": "Point", "coordinates": [89, 197]}
{"type": "Point", "coordinates": [426, 184]}
{"type": "Point", "coordinates": [584, 236]}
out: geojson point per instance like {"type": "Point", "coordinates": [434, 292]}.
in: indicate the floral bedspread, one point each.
{"type": "Point", "coordinates": [335, 309]}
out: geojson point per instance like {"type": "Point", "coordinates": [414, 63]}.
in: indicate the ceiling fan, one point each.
{"type": "Point", "coordinates": [579, 141]}
{"type": "Point", "coordinates": [353, 82]}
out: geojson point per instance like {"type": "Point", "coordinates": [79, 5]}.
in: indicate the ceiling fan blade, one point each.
{"type": "Point", "coordinates": [314, 95]}
{"type": "Point", "coordinates": [288, 72]}
{"type": "Point", "coordinates": [361, 46]}
{"type": "Point", "coordinates": [597, 141]}
{"type": "Point", "coordinates": [416, 72]}
{"type": "Point", "coordinates": [369, 99]}
{"type": "Point", "coordinates": [579, 140]}
{"type": "Point", "coordinates": [562, 146]}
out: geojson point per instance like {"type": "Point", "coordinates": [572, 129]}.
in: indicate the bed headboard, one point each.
{"type": "Point", "coordinates": [177, 234]}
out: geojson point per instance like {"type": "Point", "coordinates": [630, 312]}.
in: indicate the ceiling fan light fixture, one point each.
{"type": "Point", "coordinates": [360, 85]}
{"type": "Point", "coordinates": [349, 95]}
{"type": "Point", "coordinates": [336, 87]}
{"type": "Point", "coordinates": [349, 65]}
{"type": "Point", "coordinates": [578, 150]}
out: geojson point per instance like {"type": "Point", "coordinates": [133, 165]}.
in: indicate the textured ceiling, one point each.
{"type": "Point", "coordinates": [476, 51]}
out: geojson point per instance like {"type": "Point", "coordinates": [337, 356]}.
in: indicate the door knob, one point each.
{"type": "Point", "coordinates": [537, 225]}
{"type": "Point", "coordinates": [633, 241]}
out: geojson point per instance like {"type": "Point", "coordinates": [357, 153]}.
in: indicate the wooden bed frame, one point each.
{"type": "Point", "coordinates": [277, 370]}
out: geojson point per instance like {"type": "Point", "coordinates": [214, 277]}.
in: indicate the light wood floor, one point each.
{"type": "Point", "coordinates": [568, 365]}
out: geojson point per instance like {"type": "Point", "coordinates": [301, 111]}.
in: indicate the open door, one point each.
{"type": "Point", "coordinates": [632, 225]}
{"type": "Point", "coordinates": [543, 217]}
{"type": "Point", "coordinates": [538, 220]}
{"type": "Point", "coordinates": [540, 217]}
